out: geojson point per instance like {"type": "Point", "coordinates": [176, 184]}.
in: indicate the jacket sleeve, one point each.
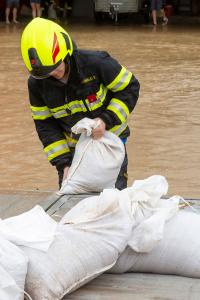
{"type": "Point", "coordinates": [124, 88]}
{"type": "Point", "coordinates": [50, 133]}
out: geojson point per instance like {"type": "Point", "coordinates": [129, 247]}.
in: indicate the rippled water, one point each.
{"type": "Point", "coordinates": [165, 125]}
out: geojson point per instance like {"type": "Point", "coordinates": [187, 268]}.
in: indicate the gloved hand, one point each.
{"type": "Point", "coordinates": [99, 130]}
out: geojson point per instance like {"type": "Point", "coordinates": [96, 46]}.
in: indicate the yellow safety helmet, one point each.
{"type": "Point", "coordinates": [44, 45]}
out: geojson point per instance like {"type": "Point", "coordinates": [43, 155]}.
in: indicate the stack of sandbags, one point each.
{"type": "Point", "coordinates": [176, 254]}
{"type": "Point", "coordinates": [88, 242]}
{"type": "Point", "coordinates": [13, 268]}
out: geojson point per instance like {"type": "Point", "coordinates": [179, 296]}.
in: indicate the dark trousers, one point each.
{"type": "Point", "coordinates": [122, 178]}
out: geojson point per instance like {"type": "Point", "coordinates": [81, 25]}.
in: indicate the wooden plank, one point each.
{"type": "Point", "coordinates": [64, 204]}
{"type": "Point", "coordinates": [16, 202]}
{"type": "Point", "coordinates": [137, 286]}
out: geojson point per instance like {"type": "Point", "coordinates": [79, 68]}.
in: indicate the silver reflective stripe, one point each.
{"type": "Point", "coordinates": [57, 149]}
{"type": "Point", "coordinates": [119, 128]}
{"type": "Point", "coordinates": [119, 108]}
{"type": "Point", "coordinates": [122, 80]}
{"type": "Point", "coordinates": [40, 113]}
{"type": "Point", "coordinates": [72, 144]}
{"type": "Point", "coordinates": [70, 140]}
{"type": "Point", "coordinates": [77, 106]}
{"type": "Point", "coordinates": [60, 114]}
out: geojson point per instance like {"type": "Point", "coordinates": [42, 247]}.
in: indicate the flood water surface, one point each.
{"type": "Point", "coordinates": [165, 125]}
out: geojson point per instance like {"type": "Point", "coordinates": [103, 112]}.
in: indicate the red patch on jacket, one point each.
{"type": "Point", "coordinates": [92, 98]}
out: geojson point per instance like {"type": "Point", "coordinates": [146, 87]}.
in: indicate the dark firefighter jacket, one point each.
{"type": "Point", "coordinates": [98, 86]}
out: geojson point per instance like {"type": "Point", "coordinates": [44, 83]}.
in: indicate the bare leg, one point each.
{"type": "Point", "coordinates": [165, 19]}
{"type": "Point", "coordinates": [154, 16]}
{"type": "Point", "coordinates": [38, 9]}
{"type": "Point", "coordinates": [33, 6]}
{"type": "Point", "coordinates": [7, 15]}
{"type": "Point", "coordinates": [15, 15]}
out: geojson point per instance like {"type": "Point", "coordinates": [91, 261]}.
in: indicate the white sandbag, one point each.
{"type": "Point", "coordinates": [96, 163]}
{"type": "Point", "coordinates": [8, 287]}
{"type": "Point", "coordinates": [90, 238]}
{"type": "Point", "coordinates": [149, 211]}
{"type": "Point", "coordinates": [177, 253]}
{"type": "Point", "coordinates": [13, 268]}
{"type": "Point", "coordinates": [33, 228]}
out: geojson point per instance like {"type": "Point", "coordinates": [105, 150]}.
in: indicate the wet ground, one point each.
{"type": "Point", "coordinates": [165, 124]}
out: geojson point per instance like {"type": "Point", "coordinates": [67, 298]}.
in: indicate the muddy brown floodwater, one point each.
{"type": "Point", "coordinates": [165, 125]}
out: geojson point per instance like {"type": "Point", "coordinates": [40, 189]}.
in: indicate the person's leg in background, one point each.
{"type": "Point", "coordinates": [122, 178]}
{"type": "Point", "coordinates": [33, 8]}
{"type": "Point", "coordinates": [38, 9]}
{"type": "Point", "coordinates": [165, 19]}
{"type": "Point", "coordinates": [7, 11]}
{"type": "Point", "coordinates": [15, 9]}
{"type": "Point", "coordinates": [154, 11]}
{"type": "Point", "coordinates": [154, 16]}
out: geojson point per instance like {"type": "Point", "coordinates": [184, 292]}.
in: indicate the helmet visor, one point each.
{"type": "Point", "coordinates": [42, 72]}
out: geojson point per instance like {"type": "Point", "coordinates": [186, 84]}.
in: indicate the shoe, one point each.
{"type": "Point", "coordinates": [165, 21]}
{"type": "Point", "coordinates": [7, 22]}
{"type": "Point", "coordinates": [15, 21]}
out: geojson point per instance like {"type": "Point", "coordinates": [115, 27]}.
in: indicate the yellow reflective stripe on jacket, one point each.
{"type": "Point", "coordinates": [121, 81]}
{"type": "Point", "coordinates": [60, 111]}
{"type": "Point", "coordinates": [118, 129]}
{"type": "Point", "coordinates": [40, 112]}
{"type": "Point", "coordinates": [119, 108]}
{"type": "Point", "coordinates": [76, 106]}
{"type": "Point", "coordinates": [101, 96]}
{"type": "Point", "coordinates": [70, 140]}
{"type": "Point", "coordinates": [56, 149]}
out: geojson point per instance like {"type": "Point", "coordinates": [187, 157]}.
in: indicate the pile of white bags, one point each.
{"type": "Point", "coordinates": [96, 163]}
{"type": "Point", "coordinates": [13, 268]}
{"type": "Point", "coordinates": [88, 242]}
{"type": "Point", "coordinates": [133, 230]}
{"type": "Point", "coordinates": [176, 254]}
{"type": "Point", "coordinates": [34, 228]}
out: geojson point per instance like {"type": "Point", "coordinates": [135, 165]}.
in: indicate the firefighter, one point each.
{"type": "Point", "coordinates": [67, 84]}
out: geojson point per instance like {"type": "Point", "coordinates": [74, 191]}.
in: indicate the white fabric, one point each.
{"type": "Point", "coordinates": [33, 228]}
{"type": "Point", "coordinates": [13, 268]}
{"type": "Point", "coordinates": [149, 211]}
{"type": "Point", "coordinates": [90, 238]}
{"type": "Point", "coordinates": [176, 254]}
{"type": "Point", "coordinates": [96, 163]}
{"type": "Point", "coordinates": [8, 287]}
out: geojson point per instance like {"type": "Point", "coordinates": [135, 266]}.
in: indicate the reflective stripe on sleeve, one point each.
{"type": "Point", "coordinates": [121, 81]}
{"type": "Point", "coordinates": [119, 108]}
{"type": "Point", "coordinates": [60, 111]}
{"type": "Point", "coordinates": [40, 112]}
{"type": "Point", "coordinates": [70, 141]}
{"type": "Point", "coordinates": [118, 129]}
{"type": "Point", "coordinates": [77, 106]}
{"type": "Point", "coordinates": [56, 149]}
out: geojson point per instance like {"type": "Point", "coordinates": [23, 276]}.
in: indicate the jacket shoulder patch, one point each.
{"type": "Point", "coordinates": [88, 79]}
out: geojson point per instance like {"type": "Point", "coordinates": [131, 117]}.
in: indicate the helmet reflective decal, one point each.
{"type": "Point", "coordinates": [33, 61]}
{"type": "Point", "coordinates": [55, 48]}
